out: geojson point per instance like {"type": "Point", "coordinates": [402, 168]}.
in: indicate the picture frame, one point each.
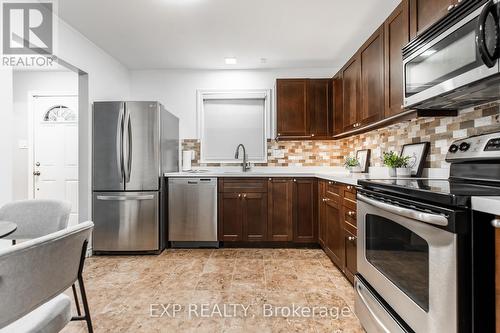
{"type": "Point", "coordinates": [418, 154]}
{"type": "Point", "coordinates": [363, 156]}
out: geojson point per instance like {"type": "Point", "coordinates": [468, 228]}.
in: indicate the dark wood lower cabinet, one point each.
{"type": "Point", "coordinates": [334, 233]}
{"type": "Point", "coordinates": [280, 210]}
{"type": "Point", "coordinates": [254, 213]}
{"type": "Point", "coordinates": [350, 255]}
{"type": "Point", "coordinates": [291, 210]}
{"type": "Point", "coordinates": [304, 210]}
{"type": "Point", "coordinates": [230, 220]}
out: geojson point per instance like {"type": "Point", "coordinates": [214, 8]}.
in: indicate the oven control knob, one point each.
{"type": "Point", "coordinates": [453, 148]}
{"type": "Point", "coordinates": [464, 146]}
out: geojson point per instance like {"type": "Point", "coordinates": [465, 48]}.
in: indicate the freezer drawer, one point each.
{"type": "Point", "coordinates": [192, 207]}
{"type": "Point", "coordinates": [126, 221]}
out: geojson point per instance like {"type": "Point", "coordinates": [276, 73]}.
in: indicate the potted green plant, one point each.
{"type": "Point", "coordinates": [398, 165]}
{"type": "Point", "coordinates": [351, 163]}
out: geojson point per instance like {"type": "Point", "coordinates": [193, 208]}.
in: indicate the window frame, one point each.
{"type": "Point", "coordinates": [263, 94]}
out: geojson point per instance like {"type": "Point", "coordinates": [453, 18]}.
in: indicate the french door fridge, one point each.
{"type": "Point", "coordinates": [134, 143]}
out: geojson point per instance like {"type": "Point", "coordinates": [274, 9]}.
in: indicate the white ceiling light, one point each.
{"type": "Point", "coordinates": [231, 61]}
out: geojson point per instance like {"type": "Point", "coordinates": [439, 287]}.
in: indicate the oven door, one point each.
{"type": "Point", "coordinates": [452, 59]}
{"type": "Point", "coordinates": [410, 263]}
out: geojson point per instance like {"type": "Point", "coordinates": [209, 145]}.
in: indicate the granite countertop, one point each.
{"type": "Point", "coordinates": [334, 174]}
{"type": "Point", "coordinates": [490, 205]}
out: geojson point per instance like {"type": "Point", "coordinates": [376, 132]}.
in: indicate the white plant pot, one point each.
{"type": "Point", "coordinates": [392, 172]}
{"type": "Point", "coordinates": [403, 172]}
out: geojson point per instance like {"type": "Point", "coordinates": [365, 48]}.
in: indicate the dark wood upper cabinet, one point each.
{"type": "Point", "coordinates": [351, 77]}
{"type": "Point", "coordinates": [337, 109]}
{"type": "Point", "coordinates": [280, 209]}
{"type": "Point", "coordinates": [304, 204]}
{"type": "Point", "coordinates": [423, 13]}
{"type": "Point", "coordinates": [372, 79]}
{"type": "Point", "coordinates": [292, 117]}
{"type": "Point", "coordinates": [303, 108]}
{"type": "Point", "coordinates": [254, 213]}
{"type": "Point", "coordinates": [318, 100]}
{"type": "Point", "coordinates": [396, 35]}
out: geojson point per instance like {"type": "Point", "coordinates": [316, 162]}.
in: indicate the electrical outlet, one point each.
{"type": "Point", "coordinates": [278, 153]}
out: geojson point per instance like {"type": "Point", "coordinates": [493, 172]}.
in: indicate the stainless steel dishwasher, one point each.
{"type": "Point", "coordinates": [192, 212]}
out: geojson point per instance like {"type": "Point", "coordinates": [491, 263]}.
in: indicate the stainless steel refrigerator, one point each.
{"type": "Point", "coordinates": [134, 143]}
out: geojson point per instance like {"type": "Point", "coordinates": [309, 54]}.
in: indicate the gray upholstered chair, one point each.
{"type": "Point", "coordinates": [33, 277]}
{"type": "Point", "coordinates": [35, 218]}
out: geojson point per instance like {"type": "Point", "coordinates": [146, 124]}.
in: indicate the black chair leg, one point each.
{"type": "Point", "coordinates": [77, 303]}
{"type": "Point", "coordinates": [85, 303]}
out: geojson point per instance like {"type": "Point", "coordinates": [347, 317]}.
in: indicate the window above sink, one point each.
{"type": "Point", "coordinates": [228, 118]}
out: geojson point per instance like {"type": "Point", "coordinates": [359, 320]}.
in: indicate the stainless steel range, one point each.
{"type": "Point", "coordinates": [425, 259]}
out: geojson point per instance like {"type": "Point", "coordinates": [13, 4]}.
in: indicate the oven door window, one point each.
{"type": "Point", "coordinates": [400, 255]}
{"type": "Point", "coordinates": [454, 55]}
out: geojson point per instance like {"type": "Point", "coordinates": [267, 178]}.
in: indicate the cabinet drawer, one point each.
{"type": "Point", "coordinates": [333, 191]}
{"type": "Point", "coordinates": [349, 192]}
{"type": "Point", "coordinates": [350, 216]}
{"type": "Point", "coordinates": [243, 185]}
{"type": "Point", "coordinates": [350, 228]}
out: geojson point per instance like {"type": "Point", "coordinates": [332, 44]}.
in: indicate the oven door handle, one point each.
{"type": "Point", "coordinates": [406, 212]}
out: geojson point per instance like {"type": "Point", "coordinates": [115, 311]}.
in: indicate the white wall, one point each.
{"type": "Point", "coordinates": [24, 83]}
{"type": "Point", "coordinates": [176, 89]}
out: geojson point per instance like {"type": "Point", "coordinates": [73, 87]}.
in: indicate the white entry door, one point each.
{"type": "Point", "coordinates": [55, 150]}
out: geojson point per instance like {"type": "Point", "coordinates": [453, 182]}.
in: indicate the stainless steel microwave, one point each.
{"type": "Point", "coordinates": [454, 64]}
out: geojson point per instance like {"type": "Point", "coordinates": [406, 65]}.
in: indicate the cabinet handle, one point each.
{"type": "Point", "coordinates": [239, 195]}
{"type": "Point", "coordinates": [350, 213]}
{"type": "Point", "coordinates": [326, 199]}
{"type": "Point", "coordinates": [279, 134]}
{"type": "Point", "coordinates": [349, 187]}
{"type": "Point", "coordinates": [294, 180]}
{"type": "Point", "coordinates": [329, 183]}
{"type": "Point", "coordinates": [244, 196]}
{"type": "Point", "coordinates": [450, 7]}
{"type": "Point", "coordinates": [351, 238]}
{"type": "Point", "coordinates": [312, 134]}
{"type": "Point", "coordinates": [495, 223]}
{"type": "Point", "coordinates": [270, 179]}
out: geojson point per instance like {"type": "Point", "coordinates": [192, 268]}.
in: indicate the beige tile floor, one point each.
{"type": "Point", "coordinates": [139, 293]}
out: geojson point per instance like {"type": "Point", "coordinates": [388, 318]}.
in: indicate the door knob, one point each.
{"type": "Point", "coordinates": [36, 173]}
{"type": "Point", "coordinates": [495, 223]}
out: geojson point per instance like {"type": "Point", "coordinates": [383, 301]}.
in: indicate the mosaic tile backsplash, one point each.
{"type": "Point", "coordinates": [439, 131]}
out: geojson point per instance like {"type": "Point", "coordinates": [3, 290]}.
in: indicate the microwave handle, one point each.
{"type": "Point", "coordinates": [406, 212]}
{"type": "Point", "coordinates": [490, 8]}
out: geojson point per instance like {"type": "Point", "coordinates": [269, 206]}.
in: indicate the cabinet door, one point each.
{"type": "Point", "coordinates": [351, 77]}
{"type": "Point", "coordinates": [372, 79]}
{"type": "Point", "coordinates": [254, 212]}
{"type": "Point", "coordinates": [423, 13]}
{"type": "Point", "coordinates": [334, 233]}
{"type": "Point", "coordinates": [318, 96]}
{"type": "Point", "coordinates": [338, 105]}
{"type": "Point", "coordinates": [396, 35]}
{"type": "Point", "coordinates": [280, 209]}
{"type": "Point", "coordinates": [305, 225]}
{"type": "Point", "coordinates": [230, 219]}
{"type": "Point", "coordinates": [291, 114]}
{"type": "Point", "coordinates": [321, 214]}
{"type": "Point", "coordinates": [350, 255]}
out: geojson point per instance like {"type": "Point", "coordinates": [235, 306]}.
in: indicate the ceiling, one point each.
{"type": "Point", "coordinates": [200, 34]}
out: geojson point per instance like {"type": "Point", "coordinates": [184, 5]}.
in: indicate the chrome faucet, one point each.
{"type": "Point", "coordinates": [245, 164]}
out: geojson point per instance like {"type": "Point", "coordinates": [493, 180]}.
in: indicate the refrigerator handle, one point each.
{"type": "Point", "coordinates": [119, 141]}
{"type": "Point", "coordinates": [128, 159]}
